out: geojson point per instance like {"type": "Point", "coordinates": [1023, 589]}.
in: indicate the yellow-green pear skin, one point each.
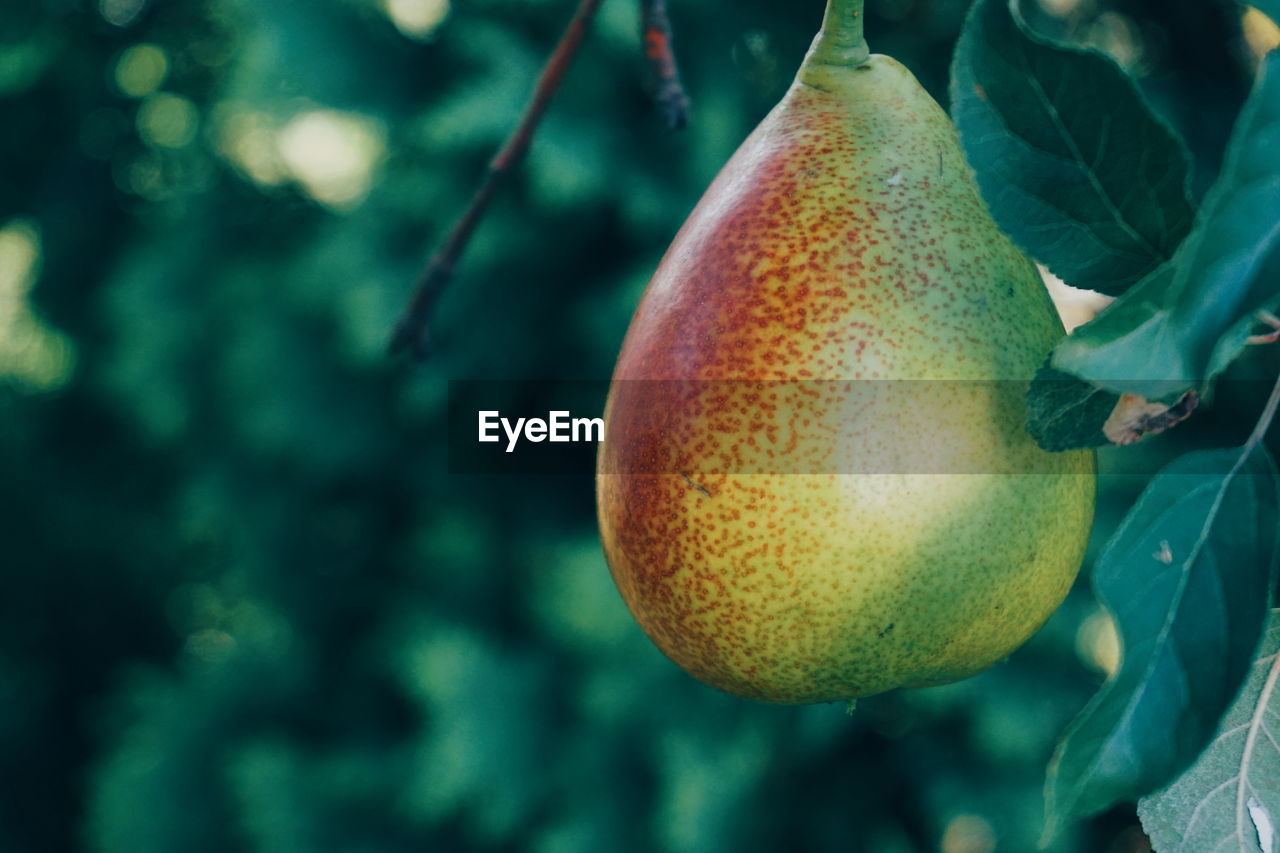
{"type": "Point", "coordinates": [781, 529]}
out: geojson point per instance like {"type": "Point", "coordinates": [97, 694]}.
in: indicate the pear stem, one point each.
{"type": "Point", "coordinates": [840, 42]}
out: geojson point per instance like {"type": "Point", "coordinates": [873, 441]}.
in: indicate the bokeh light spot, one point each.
{"type": "Point", "coordinates": [167, 120]}
{"type": "Point", "coordinates": [122, 13]}
{"type": "Point", "coordinates": [210, 646]}
{"type": "Point", "coordinates": [1261, 33]}
{"type": "Point", "coordinates": [418, 19]}
{"type": "Point", "coordinates": [968, 834]}
{"type": "Point", "coordinates": [31, 354]}
{"type": "Point", "coordinates": [248, 140]}
{"type": "Point", "coordinates": [332, 154]}
{"type": "Point", "coordinates": [1118, 37]}
{"type": "Point", "coordinates": [1097, 643]}
{"type": "Point", "coordinates": [19, 253]}
{"type": "Point", "coordinates": [1060, 8]}
{"type": "Point", "coordinates": [146, 178]}
{"type": "Point", "coordinates": [141, 69]}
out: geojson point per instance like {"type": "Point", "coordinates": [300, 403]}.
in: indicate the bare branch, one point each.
{"type": "Point", "coordinates": [662, 59]}
{"type": "Point", "coordinates": [411, 333]}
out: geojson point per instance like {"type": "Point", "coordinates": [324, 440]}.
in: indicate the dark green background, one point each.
{"type": "Point", "coordinates": [242, 604]}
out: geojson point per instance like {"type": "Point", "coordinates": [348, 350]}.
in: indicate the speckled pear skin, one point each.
{"type": "Point", "coordinates": [783, 532]}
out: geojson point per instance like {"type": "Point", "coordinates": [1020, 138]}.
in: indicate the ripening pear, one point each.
{"type": "Point", "coordinates": [815, 482]}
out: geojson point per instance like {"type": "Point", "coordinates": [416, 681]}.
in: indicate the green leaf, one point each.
{"type": "Point", "coordinates": [1142, 343]}
{"type": "Point", "coordinates": [1187, 577]}
{"type": "Point", "coordinates": [1066, 413]}
{"type": "Point", "coordinates": [1230, 798]}
{"type": "Point", "coordinates": [1183, 324]}
{"type": "Point", "coordinates": [1074, 165]}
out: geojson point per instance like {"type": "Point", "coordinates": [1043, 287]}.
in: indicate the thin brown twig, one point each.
{"type": "Point", "coordinates": [411, 334]}
{"type": "Point", "coordinates": [656, 29]}
{"type": "Point", "coordinates": [1267, 319]}
{"type": "Point", "coordinates": [1264, 420]}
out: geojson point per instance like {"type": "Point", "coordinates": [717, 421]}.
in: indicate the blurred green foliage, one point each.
{"type": "Point", "coordinates": [244, 607]}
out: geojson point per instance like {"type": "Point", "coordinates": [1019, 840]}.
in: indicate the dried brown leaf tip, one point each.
{"type": "Point", "coordinates": [1267, 319]}
{"type": "Point", "coordinates": [1134, 418]}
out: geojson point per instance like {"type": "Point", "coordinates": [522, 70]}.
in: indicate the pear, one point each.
{"type": "Point", "coordinates": [815, 483]}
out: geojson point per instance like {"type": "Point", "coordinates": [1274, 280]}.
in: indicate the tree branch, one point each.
{"type": "Point", "coordinates": [671, 96]}
{"type": "Point", "coordinates": [411, 334]}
